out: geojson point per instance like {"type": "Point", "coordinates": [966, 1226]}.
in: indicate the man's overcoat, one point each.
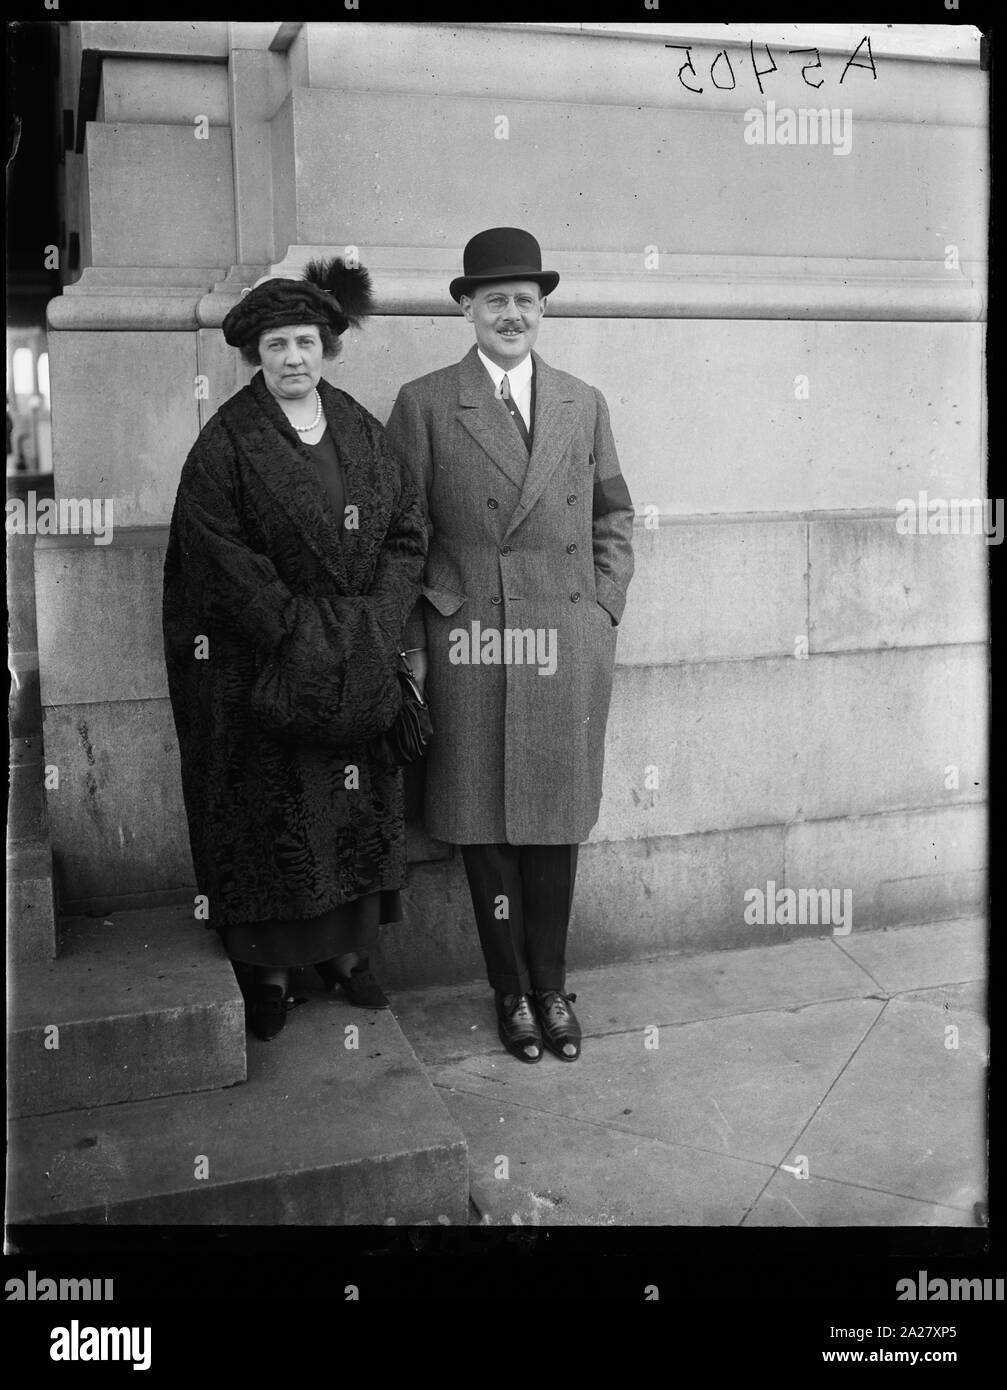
{"type": "Point", "coordinates": [538, 550]}
{"type": "Point", "coordinates": [281, 625]}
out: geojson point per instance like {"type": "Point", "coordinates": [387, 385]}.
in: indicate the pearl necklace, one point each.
{"type": "Point", "coordinates": [306, 429]}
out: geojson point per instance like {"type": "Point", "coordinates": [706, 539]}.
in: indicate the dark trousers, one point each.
{"type": "Point", "coordinates": [522, 895]}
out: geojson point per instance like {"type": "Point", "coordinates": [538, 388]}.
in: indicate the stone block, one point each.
{"type": "Point", "coordinates": [169, 92]}
{"type": "Point", "coordinates": [777, 740]}
{"type": "Point", "coordinates": [634, 68]}
{"type": "Point", "coordinates": [32, 923]}
{"type": "Point", "coordinates": [704, 591]}
{"type": "Point", "coordinates": [436, 941]}
{"type": "Point", "coordinates": [117, 818]}
{"type": "Point", "coordinates": [224, 370]}
{"type": "Point", "coordinates": [635, 898]}
{"type": "Point", "coordinates": [26, 806]}
{"type": "Point", "coordinates": [706, 421]}
{"type": "Point", "coordinates": [125, 416]}
{"type": "Point", "coordinates": [21, 623]}
{"type": "Point", "coordinates": [320, 1135]}
{"type": "Point", "coordinates": [879, 731]}
{"type": "Point", "coordinates": [721, 738]}
{"type": "Point", "coordinates": [119, 831]}
{"type": "Point", "coordinates": [139, 1005]}
{"type": "Point", "coordinates": [638, 898]}
{"type": "Point", "coordinates": [704, 414]}
{"type": "Point", "coordinates": [167, 38]}
{"type": "Point", "coordinates": [100, 628]}
{"type": "Point", "coordinates": [870, 586]}
{"type": "Point", "coordinates": [285, 174]}
{"type": "Point", "coordinates": [904, 867]}
{"type": "Point", "coordinates": [370, 156]}
{"type": "Point", "coordinates": [700, 592]}
{"type": "Point", "coordinates": [24, 711]}
{"type": "Point", "coordinates": [179, 192]}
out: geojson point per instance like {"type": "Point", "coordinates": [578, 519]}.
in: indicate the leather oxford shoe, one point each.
{"type": "Point", "coordinates": [560, 1029]}
{"type": "Point", "coordinates": [518, 1028]}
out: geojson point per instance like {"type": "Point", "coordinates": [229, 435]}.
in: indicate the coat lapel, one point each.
{"type": "Point", "coordinates": [269, 443]}
{"type": "Point", "coordinates": [485, 418]}
{"type": "Point", "coordinates": [553, 424]}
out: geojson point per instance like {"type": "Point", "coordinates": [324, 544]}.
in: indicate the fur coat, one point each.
{"type": "Point", "coordinates": [281, 624]}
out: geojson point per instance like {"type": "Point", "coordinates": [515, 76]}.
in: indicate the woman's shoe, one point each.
{"type": "Point", "coordinates": [517, 1027]}
{"type": "Point", "coordinates": [359, 986]}
{"type": "Point", "coordinates": [560, 1029]}
{"type": "Point", "coordinates": [266, 1011]}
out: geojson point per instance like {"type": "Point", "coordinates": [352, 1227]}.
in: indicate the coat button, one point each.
{"type": "Point", "coordinates": [505, 550]}
{"type": "Point", "coordinates": [571, 499]}
{"type": "Point", "coordinates": [494, 600]}
{"type": "Point", "coordinates": [571, 548]}
{"type": "Point", "coordinates": [492, 502]}
{"type": "Point", "coordinates": [575, 598]}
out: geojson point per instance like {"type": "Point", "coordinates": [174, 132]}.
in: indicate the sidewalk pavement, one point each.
{"type": "Point", "coordinates": [705, 1080]}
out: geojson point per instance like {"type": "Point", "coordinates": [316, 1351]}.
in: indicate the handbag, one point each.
{"type": "Point", "coordinates": [409, 736]}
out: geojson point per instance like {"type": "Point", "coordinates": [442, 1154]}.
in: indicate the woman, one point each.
{"type": "Point", "coordinates": [295, 555]}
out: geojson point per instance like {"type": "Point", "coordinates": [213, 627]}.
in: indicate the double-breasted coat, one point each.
{"type": "Point", "coordinates": [539, 551]}
{"type": "Point", "coordinates": [281, 625]}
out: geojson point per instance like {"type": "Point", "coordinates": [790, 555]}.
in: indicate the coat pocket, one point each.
{"type": "Point", "coordinates": [444, 600]}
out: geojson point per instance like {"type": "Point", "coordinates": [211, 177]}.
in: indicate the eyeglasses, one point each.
{"type": "Point", "coordinates": [524, 302]}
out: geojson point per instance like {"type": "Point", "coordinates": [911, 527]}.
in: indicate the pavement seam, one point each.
{"type": "Point", "coordinates": [857, 963]}
{"type": "Point", "coordinates": [607, 1125]}
{"type": "Point", "coordinates": [731, 952]}
{"type": "Point", "coordinates": [719, 1153]}
{"type": "Point", "coordinates": [455, 1059]}
{"type": "Point", "coordinates": [824, 1097]}
{"type": "Point", "coordinates": [888, 1192]}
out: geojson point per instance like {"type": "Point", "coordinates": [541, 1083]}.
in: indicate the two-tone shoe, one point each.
{"type": "Point", "coordinates": [558, 1023]}
{"type": "Point", "coordinates": [518, 1027]}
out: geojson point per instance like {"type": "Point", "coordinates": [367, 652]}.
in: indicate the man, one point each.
{"type": "Point", "coordinates": [530, 557]}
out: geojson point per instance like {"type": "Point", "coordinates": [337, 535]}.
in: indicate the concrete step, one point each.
{"type": "Point", "coordinates": [322, 1133]}
{"type": "Point", "coordinates": [140, 1004]}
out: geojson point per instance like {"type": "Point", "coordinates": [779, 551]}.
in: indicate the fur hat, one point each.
{"type": "Point", "coordinates": [331, 292]}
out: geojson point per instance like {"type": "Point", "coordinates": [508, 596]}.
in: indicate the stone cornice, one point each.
{"type": "Point", "coordinates": [616, 285]}
{"type": "Point", "coordinates": [414, 280]}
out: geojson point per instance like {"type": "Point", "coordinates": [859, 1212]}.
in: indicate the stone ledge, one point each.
{"type": "Point", "coordinates": [146, 1004]}
{"type": "Point", "coordinates": [686, 893]}
{"type": "Point", "coordinates": [414, 280]}
{"type": "Point", "coordinates": [321, 1134]}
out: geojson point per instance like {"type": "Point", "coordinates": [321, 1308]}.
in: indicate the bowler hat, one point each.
{"type": "Point", "coordinates": [502, 253]}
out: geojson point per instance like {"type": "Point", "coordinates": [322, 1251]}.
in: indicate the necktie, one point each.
{"type": "Point", "coordinates": [515, 414]}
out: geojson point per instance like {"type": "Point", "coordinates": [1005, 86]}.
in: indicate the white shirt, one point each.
{"type": "Point", "coordinates": [519, 378]}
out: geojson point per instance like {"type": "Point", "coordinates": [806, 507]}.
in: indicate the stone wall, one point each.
{"type": "Point", "coordinates": [801, 676]}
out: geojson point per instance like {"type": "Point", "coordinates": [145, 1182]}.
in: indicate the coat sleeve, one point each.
{"type": "Point", "coordinates": [325, 666]}
{"type": "Point", "coordinates": [409, 437]}
{"type": "Point", "coordinates": [612, 519]}
{"type": "Point", "coordinates": [399, 574]}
